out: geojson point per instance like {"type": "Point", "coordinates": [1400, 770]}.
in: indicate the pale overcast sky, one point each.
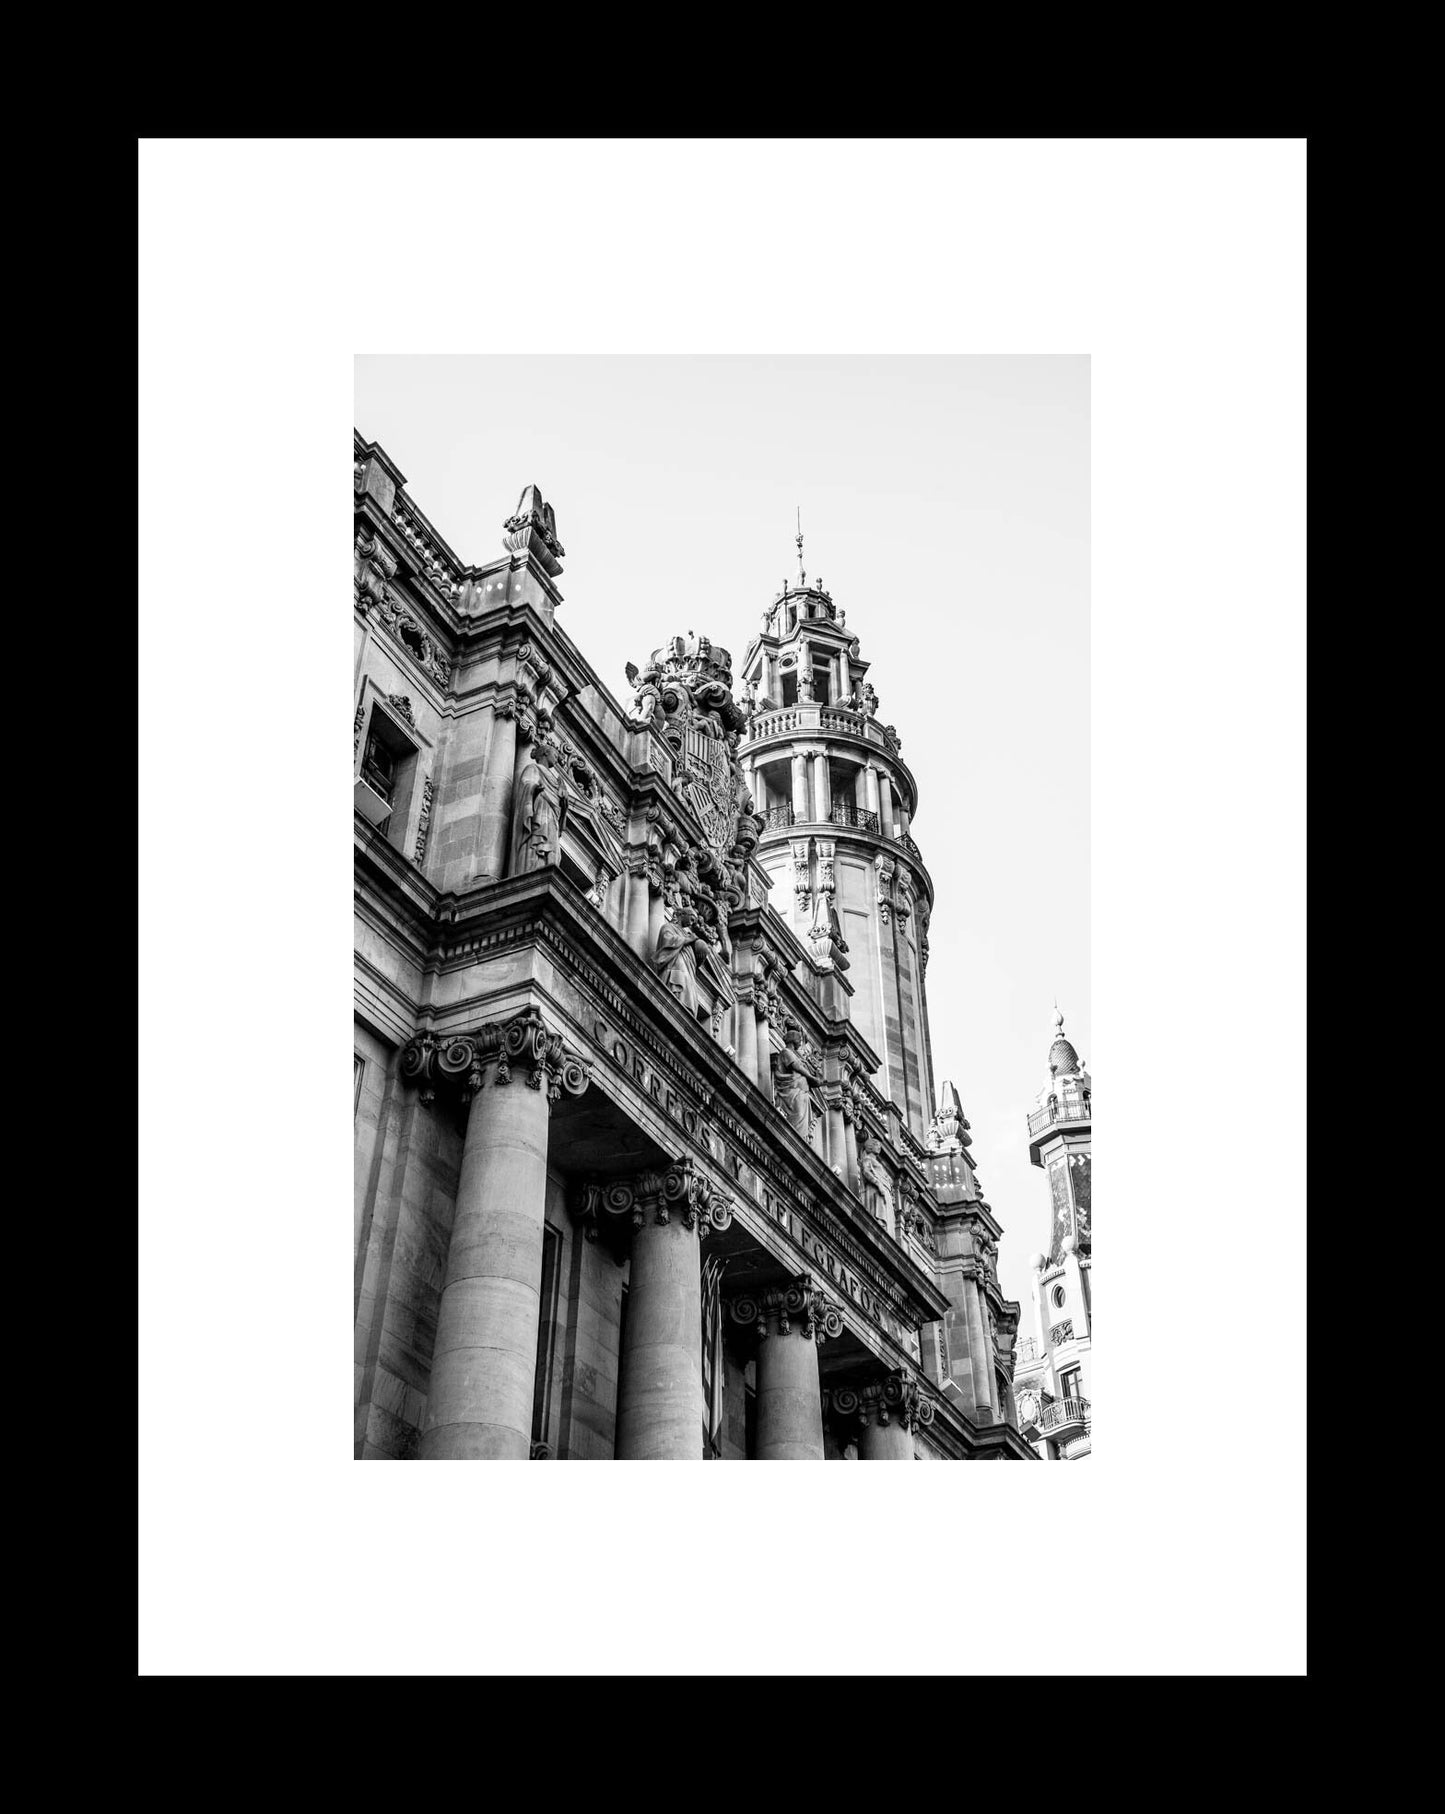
{"type": "Point", "coordinates": [945, 502]}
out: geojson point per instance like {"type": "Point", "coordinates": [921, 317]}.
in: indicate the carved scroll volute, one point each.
{"type": "Point", "coordinates": [628, 1204]}
{"type": "Point", "coordinates": [781, 1308]}
{"type": "Point", "coordinates": [461, 1061]}
{"type": "Point", "coordinates": [896, 1397]}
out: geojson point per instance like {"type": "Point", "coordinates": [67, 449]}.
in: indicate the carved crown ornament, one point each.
{"type": "Point", "coordinates": [684, 696]}
{"type": "Point", "coordinates": [459, 1062]}
{"type": "Point", "coordinates": [800, 1302]}
{"type": "Point", "coordinates": [655, 1194]}
{"type": "Point", "coordinates": [895, 1398]}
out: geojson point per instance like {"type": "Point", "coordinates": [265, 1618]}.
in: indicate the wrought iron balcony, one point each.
{"type": "Point", "coordinates": [1062, 1331]}
{"type": "Point", "coordinates": [1059, 1114]}
{"type": "Point", "coordinates": [1026, 1349]}
{"type": "Point", "coordinates": [846, 813]}
{"type": "Point", "coordinates": [777, 815]}
{"type": "Point", "coordinates": [1065, 1414]}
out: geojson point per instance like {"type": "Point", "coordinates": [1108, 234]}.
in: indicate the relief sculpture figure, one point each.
{"type": "Point", "coordinates": [675, 959]}
{"type": "Point", "coordinates": [537, 813]}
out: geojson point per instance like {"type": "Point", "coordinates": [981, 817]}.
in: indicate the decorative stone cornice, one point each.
{"type": "Point", "coordinates": [778, 1309]}
{"type": "Point", "coordinates": [657, 1194]}
{"type": "Point", "coordinates": [892, 1398]}
{"type": "Point", "coordinates": [459, 1061]}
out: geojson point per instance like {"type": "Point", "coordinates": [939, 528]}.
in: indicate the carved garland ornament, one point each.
{"type": "Point", "coordinates": [459, 1061]}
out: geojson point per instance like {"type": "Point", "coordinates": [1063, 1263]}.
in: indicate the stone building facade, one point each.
{"type": "Point", "coordinates": [646, 1162]}
{"type": "Point", "coordinates": [1053, 1366]}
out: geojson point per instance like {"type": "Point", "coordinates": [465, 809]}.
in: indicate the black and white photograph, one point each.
{"type": "Point", "coordinates": [791, 743]}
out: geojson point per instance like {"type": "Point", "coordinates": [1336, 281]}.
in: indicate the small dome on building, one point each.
{"type": "Point", "coordinates": [1063, 1059]}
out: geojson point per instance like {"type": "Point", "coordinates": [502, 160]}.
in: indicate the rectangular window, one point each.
{"type": "Point", "coordinates": [387, 777]}
{"type": "Point", "coordinates": [1070, 1383]}
{"type": "Point", "coordinates": [790, 688]}
{"type": "Point", "coordinates": [378, 768]}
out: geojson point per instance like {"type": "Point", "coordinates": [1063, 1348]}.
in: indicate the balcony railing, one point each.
{"type": "Point", "coordinates": [778, 815]}
{"type": "Point", "coordinates": [1026, 1349]}
{"type": "Point", "coordinates": [846, 813]}
{"type": "Point", "coordinates": [1065, 1411]}
{"type": "Point", "coordinates": [1062, 1332]}
{"type": "Point", "coordinates": [1057, 1113]}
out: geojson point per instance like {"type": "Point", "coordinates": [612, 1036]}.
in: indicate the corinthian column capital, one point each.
{"type": "Point", "coordinates": [800, 1302]}
{"type": "Point", "coordinates": [655, 1194]}
{"type": "Point", "coordinates": [890, 1398]}
{"type": "Point", "coordinates": [459, 1062]}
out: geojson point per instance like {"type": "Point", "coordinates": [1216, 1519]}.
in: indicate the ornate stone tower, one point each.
{"type": "Point", "coordinates": [837, 801]}
{"type": "Point", "coordinates": [1052, 1368]}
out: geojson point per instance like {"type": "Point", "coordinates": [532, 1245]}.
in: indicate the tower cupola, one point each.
{"type": "Point", "coordinates": [837, 803]}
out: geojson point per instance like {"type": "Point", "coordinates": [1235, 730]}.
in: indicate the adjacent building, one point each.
{"type": "Point", "coordinates": [649, 1160]}
{"type": "Point", "coordinates": [1052, 1367]}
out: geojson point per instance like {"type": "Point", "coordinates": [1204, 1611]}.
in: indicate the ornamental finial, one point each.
{"type": "Point", "coordinates": [802, 577]}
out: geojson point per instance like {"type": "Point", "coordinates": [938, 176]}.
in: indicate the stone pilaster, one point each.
{"type": "Point", "coordinates": [790, 1321]}
{"type": "Point", "coordinates": [659, 1393]}
{"type": "Point", "coordinates": [479, 1405]}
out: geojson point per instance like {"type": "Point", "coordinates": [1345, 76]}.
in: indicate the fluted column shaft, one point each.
{"type": "Point", "coordinates": [871, 784]}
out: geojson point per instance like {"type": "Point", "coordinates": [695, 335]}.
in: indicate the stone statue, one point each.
{"type": "Point", "coordinates": [870, 699]}
{"type": "Point", "coordinates": [675, 959]}
{"type": "Point", "coordinates": [538, 809]}
{"type": "Point", "coordinates": [878, 1188]}
{"type": "Point", "coordinates": [791, 1075]}
{"type": "Point", "coordinates": [647, 701]}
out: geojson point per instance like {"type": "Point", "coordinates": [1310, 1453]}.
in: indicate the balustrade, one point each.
{"type": "Point", "coordinates": [1064, 1411]}
{"type": "Point", "coordinates": [1055, 1112]}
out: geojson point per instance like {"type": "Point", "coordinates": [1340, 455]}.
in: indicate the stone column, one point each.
{"type": "Point", "coordinates": [638, 898]}
{"type": "Point", "coordinates": [837, 1138]}
{"type": "Point", "coordinates": [885, 806]}
{"type": "Point", "coordinates": [871, 784]}
{"type": "Point", "coordinates": [495, 818]}
{"type": "Point", "coordinates": [770, 677]}
{"type": "Point", "coordinates": [479, 1405]}
{"type": "Point", "coordinates": [980, 1360]}
{"type": "Point", "coordinates": [745, 1020]}
{"type": "Point", "coordinates": [790, 1322]}
{"type": "Point", "coordinates": [800, 788]}
{"type": "Point", "coordinates": [889, 1408]}
{"type": "Point", "coordinates": [822, 792]}
{"type": "Point", "coordinates": [659, 1393]}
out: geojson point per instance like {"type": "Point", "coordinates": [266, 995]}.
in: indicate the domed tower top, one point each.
{"type": "Point", "coordinates": [837, 802]}
{"type": "Point", "coordinates": [1063, 1059]}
